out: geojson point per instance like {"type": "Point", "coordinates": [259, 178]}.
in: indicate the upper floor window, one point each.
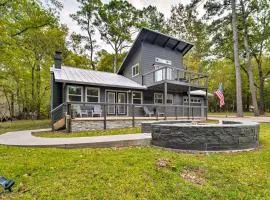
{"type": "Point", "coordinates": [137, 97]}
{"type": "Point", "coordinates": [92, 94]}
{"type": "Point", "coordinates": [74, 93]}
{"type": "Point", "coordinates": [135, 70]}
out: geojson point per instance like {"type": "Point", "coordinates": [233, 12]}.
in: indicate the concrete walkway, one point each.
{"type": "Point", "coordinates": [260, 119]}
{"type": "Point", "coordinates": [26, 139]}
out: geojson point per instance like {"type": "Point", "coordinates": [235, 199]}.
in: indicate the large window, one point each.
{"type": "Point", "coordinates": [92, 94]}
{"type": "Point", "coordinates": [158, 98]}
{"type": "Point", "coordinates": [161, 72]}
{"type": "Point", "coordinates": [135, 70]}
{"type": "Point", "coordinates": [74, 93]}
{"type": "Point", "coordinates": [137, 97]}
{"type": "Point", "coordinates": [169, 99]}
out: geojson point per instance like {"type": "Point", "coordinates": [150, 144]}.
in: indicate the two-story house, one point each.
{"type": "Point", "coordinates": [152, 74]}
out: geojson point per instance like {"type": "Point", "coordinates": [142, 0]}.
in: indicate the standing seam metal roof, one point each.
{"type": "Point", "coordinates": [91, 77]}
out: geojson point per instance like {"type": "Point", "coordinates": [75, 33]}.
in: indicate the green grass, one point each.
{"type": "Point", "coordinates": [133, 173]}
{"type": "Point", "coordinates": [23, 125]}
{"type": "Point", "coordinates": [116, 131]}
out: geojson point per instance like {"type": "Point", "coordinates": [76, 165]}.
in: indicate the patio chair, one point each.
{"type": "Point", "coordinates": [97, 110]}
{"type": "Point", "coordinates": [6, 184]}
{"type": "Point", "coordinates": [147, 112]}
{"type": "Point", "coordinates": [82, 110]}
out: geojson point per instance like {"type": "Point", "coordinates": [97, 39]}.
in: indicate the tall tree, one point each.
{"type": "Point", "coordinates": [245, 16]}
{"type": "Point", "coordinates": [239, 104]}
{"type": "Point", "coordinates": [117, 21]}
{"type": "Point", "coordinates": [151, 18]}
{"type": "Point", "coordinates": [85, 18]}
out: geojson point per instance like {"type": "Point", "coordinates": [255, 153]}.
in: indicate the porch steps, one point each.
{"type": "Point", "coordinates": [60, 124]}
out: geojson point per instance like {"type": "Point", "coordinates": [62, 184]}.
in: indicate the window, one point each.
{"type": "Point", "coordinates": [135, 70]}
{"type": "Point", "coordinates": [169, 99]}
{"type": "Point", "coordinates": [74, 93]}
{"type": "Point", "coordinates": [92, 94]}
{"type": "Point", "coordinates": [137, 97]}
{"type": "Point", "coordinates": [158, 98]}
{"type": "Point", "coordinates": [160, 73]}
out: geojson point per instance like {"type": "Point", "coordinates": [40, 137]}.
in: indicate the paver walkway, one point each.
{"type": "Point", "coordinates": [25, 138]}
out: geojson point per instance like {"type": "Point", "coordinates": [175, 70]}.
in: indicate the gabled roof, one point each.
{"type": "Point", "coordinates": [159, 39]}
{"type": "Point", "coordinates": [91, 77]}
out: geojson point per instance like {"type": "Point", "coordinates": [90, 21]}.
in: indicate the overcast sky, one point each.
{"type": "Point", "coordinates": [71, 6]}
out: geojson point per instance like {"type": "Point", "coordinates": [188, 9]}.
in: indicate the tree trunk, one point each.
{"type": "Point", "coordinates": [115, 61]}
{"type": "Point", "coordinates": [261, 92]}
{"type": "Point", "coordinates": [248, 63]}
{"type": "Point", "coordinates": [38, 85]}
{"type": "Point", "coordinates": [239, 104]}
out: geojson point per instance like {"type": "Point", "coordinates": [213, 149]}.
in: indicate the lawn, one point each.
{"type": "Point", "coordinates": [136, 173]}
{"type": "Point", "coordinates": [23, 125]}
{"type": "Point", "coordinates": [116, 131]}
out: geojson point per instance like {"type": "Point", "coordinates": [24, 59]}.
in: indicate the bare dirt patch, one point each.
{"type": "Point", "coordinates": [194, 175]}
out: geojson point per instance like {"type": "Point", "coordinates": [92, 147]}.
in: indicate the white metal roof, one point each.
{"type": "Point", "coordinates": [91, 77]}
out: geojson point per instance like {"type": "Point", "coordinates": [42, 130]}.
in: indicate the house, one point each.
{"type": "Point", "coordinates": [152, 77]}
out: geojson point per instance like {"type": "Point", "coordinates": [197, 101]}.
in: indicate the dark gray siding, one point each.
{"type": "Point", "coordinates": [136, 59]}
{"type": "Point", "coordinates": [150, 52]}
{"type": "Point", "coordinates": [56, 93]}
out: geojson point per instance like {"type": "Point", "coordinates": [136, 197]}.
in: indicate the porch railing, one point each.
{"type": "Point", "coordinates": [104, 111]}
{"type": "Point", "coordinates": [163, 73]}
{"type": "Point", "coordinates": [58, 112]}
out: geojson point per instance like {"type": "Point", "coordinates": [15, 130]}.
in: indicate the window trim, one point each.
{"type": "Point", "coordinates": [171, 99]}
{"type": "Point", "coordinates": [155, 97]}
{"type": "Point", "coordinates": [136, 65]}
{"type": "Point", "coordinates": [92, 95]}
{"type": "Point", "coordinates": [163, 98]}
{"type": "Point", "coordinates": [137, 98]}
{"type": "Point", "coordinates": [67, 96]}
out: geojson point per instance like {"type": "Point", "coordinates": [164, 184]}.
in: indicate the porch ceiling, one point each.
{"type": "Point", "coordinates": [173, 87]}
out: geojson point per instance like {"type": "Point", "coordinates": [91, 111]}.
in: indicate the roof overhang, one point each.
{"type": "Point", "coordinates": [160, 39]}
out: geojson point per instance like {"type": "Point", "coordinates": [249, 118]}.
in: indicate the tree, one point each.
{"type": "Point", "coordinates": [239, 104]}
{"type": "Point", "coordinates": [106, 60]}
{"type": "Point", "coordinates": [85, 18]}
{"type": "Point", "coordinates": [245, 15]}
{"type": "Point", "coordinates": [151, 18]}
{"type": "Point", "coordinates": [116, 22]}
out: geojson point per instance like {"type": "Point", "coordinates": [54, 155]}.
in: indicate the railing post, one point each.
{"type": "Point", "coordinates": [176, 115]}
{"type": "Point", "coordinates": [105, 117]}
{"type": "Point", "coordinates": [133, 116]}
{"type": "Point", "coordinates": [156, 113]}
{"type": "Point", "coordinates": [188, 102]}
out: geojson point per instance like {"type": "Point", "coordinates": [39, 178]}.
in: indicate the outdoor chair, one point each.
{"type": "Point", "coordinates": [97, 110]}
{"type": "Point", "coordinates": [6, 184]}
{"type": "Point", "coordinates": [82, 110]}
{"type": "Point", "coordinates": [147, 112]}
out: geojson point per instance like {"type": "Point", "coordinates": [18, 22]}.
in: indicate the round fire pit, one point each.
{"type": "Point", "coordinates": [230, 135]}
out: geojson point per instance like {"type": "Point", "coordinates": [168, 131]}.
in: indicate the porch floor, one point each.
{"type": "Point", "coordinates": [118, 118]}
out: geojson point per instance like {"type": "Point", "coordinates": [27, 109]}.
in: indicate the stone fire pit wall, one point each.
{"type": "Point", "coordinates": [229, 135]}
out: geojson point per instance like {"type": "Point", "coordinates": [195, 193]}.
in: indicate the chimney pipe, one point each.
{"type": "Point", "coordinates": [58, 59]}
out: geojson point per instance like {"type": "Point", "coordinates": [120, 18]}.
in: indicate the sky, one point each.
{"type": "Point", "coordinates": [71, 6]}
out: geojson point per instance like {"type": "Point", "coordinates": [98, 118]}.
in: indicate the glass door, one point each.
{"type": "Point", "coordinates": [121, 98]}
{"type": "Point", "coordinates": [111, 99]}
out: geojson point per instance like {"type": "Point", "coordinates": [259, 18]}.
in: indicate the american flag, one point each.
{"type": "Point", "coordinates": [220, 95]}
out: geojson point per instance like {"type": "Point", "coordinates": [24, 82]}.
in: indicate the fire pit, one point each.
{"type": "Point", "coordinates": [228, 135]}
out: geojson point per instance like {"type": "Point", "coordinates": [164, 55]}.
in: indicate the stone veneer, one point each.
{"type": "Point", "coordinates": [84, 125]}
{"type": "Point", "coordinates": [229, 135]}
